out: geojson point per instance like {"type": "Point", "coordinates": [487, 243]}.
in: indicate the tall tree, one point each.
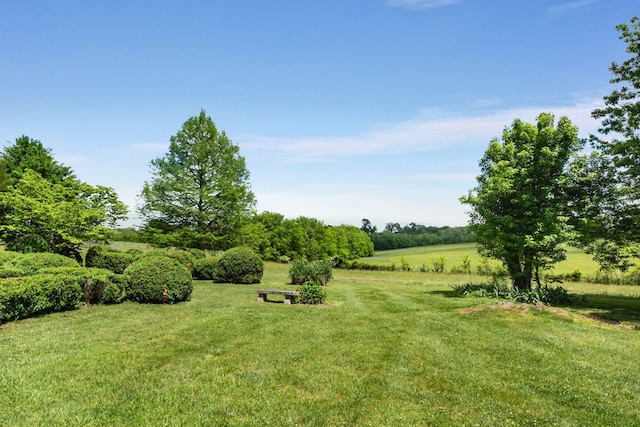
{"type": "Point", "coordinates": [27, 153]}
{"type": "Point", "coordinates": [518, 207]}
{"type": "Point", "coordinates": [199, 192]}
{"type": "Point", "coordinates": [620, 130]}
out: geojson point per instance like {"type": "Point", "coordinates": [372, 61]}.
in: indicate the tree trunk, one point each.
{"type": "Point", "coordinates": [520, 275]}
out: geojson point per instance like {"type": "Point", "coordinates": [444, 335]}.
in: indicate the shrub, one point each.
{"type": "Point", "coordinates": [498, 288]}
{"type": "Point", "coordinates": [100, 286]}
{"type": "Point", "coordinates": [316, 271]}
{"type": "Point", "coordinates": [205, 269]}
{"type": "Point", "coordinates": [185, 257]}
{"type": "Point", "coordinates": [31, 263]}
{"type": "Point", "coordinates": [8, 256]}
{"type": "Point", "coordinates": [240, 265]}
{"type": "Point", "coordinates": [29, 243]}
{"type": "Point", "coordinates": [198, 253]}
{"type": "Point", "coordinates": [23, 297]}
{"type": "Point", "coordinates": [106, 257]}
{"type": "Point", "coordinates": [157, 280]}
{"type": "Point", "coordinates": [312, 293]}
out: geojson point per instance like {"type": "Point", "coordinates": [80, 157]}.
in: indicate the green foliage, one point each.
{"type": "Point", "coordinates": [274, 237]}
{"type": "Point", "coordinates": [615, 211]}
{"type": "Point", "coordinates": [109, 258]}
{"type": "Point", "coordinates": [7, 256]}
{"type": "Point", "coordinates": [395, 236]}
{"type": "Point", "coordinates": [464, 268]}
{"type": "Point", "coordinates": [31, 263]}
{"type": "Point", "coordinates": [239, 265]}
{"type": "Point", "coordinates": [438, 264]}
{"type": "Point", "coordinates": [158, 280]}
{"type": "Point", "coordinates": [100, 286]}
{"type": "Point", "coordinates": [498, 289]}
{"type": "Point", "coordinates": [312, 293]}
{"type": "Point", "coordinates": [198, 253]}
{"type": "Point", "coordinates": [199, 192]}
{"type": "Point", "coordinates": [62, 215]}
{"type": "Point", "coordinates": [319, 271]}
{"type": "Point", "coordinates": [22, 297]}
{"type": "Point", "coordinates": [29, 154]}
{"type": "Point", "coordinates": [185, 257]}
{"type": "Point", "coordinates": [205, 269]}
{"type": "Point", "coordinates": [518, 209]}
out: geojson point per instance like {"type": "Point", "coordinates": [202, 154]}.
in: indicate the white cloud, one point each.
{"type": "Point", "coordinates": [420, 4]}
{"type": "Point", "coordinates": [420, 135]}
{"type": "Point", "coordinates": [568, 7]}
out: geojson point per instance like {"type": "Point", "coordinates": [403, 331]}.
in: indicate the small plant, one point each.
{"type": "Point", "coordinates": [312, 293]}
{"type": "Point", "coordinates": [239, 265]}
{"type": "Point", "coordinates": [438, 264]}
{"type": "Point", "coordinates": [405, 264]}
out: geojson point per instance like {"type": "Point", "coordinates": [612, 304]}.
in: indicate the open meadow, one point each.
{"type": "Point", "coordinates": [454, 254]}
{"type": "Point", "coordinates": [388, 349]}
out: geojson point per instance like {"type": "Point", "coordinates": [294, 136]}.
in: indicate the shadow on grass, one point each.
{"type": "Point", "coordinates": [613, 309]}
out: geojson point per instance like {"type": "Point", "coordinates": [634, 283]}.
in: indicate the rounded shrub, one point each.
{"type": "Point", "coordinates": [240, 265]}
{"type": "Point", "coordinates": [205, 269]}
{"type": "Point", "coordinates": [101, 286]}
{"type": "Point", "coordinates": [185, 257]}
{"type": "Point", "coordinates": [106, 257]}
{"type": "Point", "coordinates": [198, 253]}
{"type": "Point", "coordinates": [31, 263]}
{"type": "Point", "coordinates": [158, 280]}
{"type": "Point", "coordinates": [22, 297]}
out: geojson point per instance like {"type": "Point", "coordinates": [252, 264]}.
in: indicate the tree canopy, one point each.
{"type": "Point", "coordinates": [518, 209]}
{"type": "Point", "coordinates": [26, 153]}
{"type": "Point", "coordinates": [199, 193]}
{"type": "Point", "coordinates": [619, 224]}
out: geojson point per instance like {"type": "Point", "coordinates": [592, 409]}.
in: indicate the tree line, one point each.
{"type": "Point", "coordinates": [395, 236]}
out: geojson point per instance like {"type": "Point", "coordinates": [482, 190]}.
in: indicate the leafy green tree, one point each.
{"type": "Point", "coordinates": [619, 216]}
{"type": "Point", "coordinates": [57, 217]}
{"type": "Point", "coordinates": [27, 153]}
{"type": "Point", "coordinates": [199, 191]}
{"type": "Point", "coordinates": [518, 209]}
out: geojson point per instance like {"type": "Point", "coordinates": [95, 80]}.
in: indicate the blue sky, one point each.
{"type": "Point", "coordinates": [343, 109]}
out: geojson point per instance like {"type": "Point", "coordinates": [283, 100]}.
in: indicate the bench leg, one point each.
{"type": "Point", "coordinates": [262, 297]}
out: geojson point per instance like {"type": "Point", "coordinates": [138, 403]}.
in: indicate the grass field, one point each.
{"type": "Point", "coordinates": [454, 254]}
{"type": "Point", "coordinates": [388, 349]}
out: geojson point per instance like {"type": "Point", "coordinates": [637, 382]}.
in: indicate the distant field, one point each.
{"type": "Point", "coordinates": [454, 254]}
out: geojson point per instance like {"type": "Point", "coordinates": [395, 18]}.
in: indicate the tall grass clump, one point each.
{"type": "Point", "coordinates": [303, 271]}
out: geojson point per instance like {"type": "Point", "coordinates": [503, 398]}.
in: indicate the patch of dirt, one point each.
{"type": "Point", "coordinates": [526, 308]}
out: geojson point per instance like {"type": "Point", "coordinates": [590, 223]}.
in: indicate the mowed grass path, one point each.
{"type": "Point", "coordinates": [389, 349]}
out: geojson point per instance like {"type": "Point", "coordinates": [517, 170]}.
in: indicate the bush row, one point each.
{"type": "Point", "coordinates": [37, 283]}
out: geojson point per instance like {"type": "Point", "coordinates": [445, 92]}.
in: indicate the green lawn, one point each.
{"type": "Point", "coordinates": [388, 349]}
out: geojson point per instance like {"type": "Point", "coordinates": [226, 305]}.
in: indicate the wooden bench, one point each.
{"type": "Point", "coordinates": [288, 295]}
